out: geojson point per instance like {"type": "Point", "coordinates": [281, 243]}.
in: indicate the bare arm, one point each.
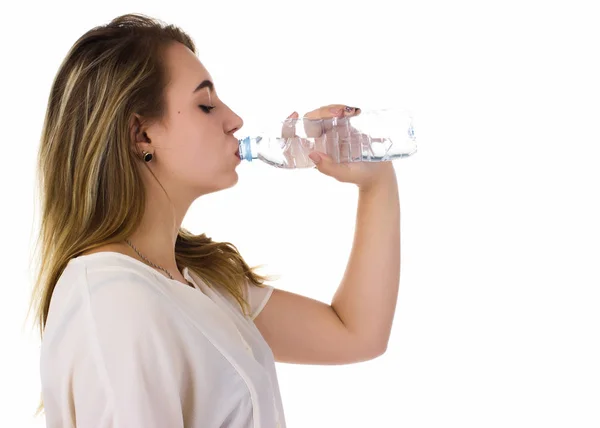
{"type": "Point", "coordinates": [357, 324]}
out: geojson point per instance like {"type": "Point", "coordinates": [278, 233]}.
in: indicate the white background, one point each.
{"type": "Point", "coordinates": [498, 316]}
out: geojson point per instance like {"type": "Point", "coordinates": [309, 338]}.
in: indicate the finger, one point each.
{"type": "Point", "coordinates": [316, 157]}
{"type": "Point", "coordinates": [296, 152]}
{"type": "Point", "coordinates": [326, 118]}
{"type": "Point", "coordinates": [351, 111]}
{"type": "Point", "coordinates": [329, 111]}
{"type": "Point", "coordinates": [333, 110]}
{"type": "Point", "coordinates": [288, 129]}
{"type": "Point", "coordinates": [327, 166]}
{"type": "Point", "coordinates": [318, 122]}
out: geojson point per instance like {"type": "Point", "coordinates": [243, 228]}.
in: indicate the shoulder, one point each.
{"type": "Point", "coordinates": [112, 282]}
{"type": "Point", "coordinates": [108, 299]}
{"type": "Point", "coordinates": [109, 268]}
{"type": "Point", "coordinates": [255, 296]}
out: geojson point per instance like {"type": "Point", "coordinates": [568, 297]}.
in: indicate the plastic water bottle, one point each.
{"type": "Point", "coordinates": [371, 136]}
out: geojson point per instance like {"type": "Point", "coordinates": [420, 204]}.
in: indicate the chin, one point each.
{"type": "Point", "coordinates": [218, 181]}
{"type": "Point", "coordinates": [235, 179]}
{"type": "Point", "coordinates": [227, 182]}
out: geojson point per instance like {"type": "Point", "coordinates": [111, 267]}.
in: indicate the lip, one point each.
{"type": "Point", "coordinates": [236, 146]}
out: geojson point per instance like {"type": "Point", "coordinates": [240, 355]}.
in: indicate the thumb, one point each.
{"type": "Point", "coordinates": [325, 164]}
{"type": "Point", "coordinates": [316, 157]}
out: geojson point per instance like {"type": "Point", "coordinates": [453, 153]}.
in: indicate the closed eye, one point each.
{"type": "Point", "coordinates": [206, 109]}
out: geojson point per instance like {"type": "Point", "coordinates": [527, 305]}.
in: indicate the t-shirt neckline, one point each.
{"type": "Point", "coordinates": [185, 270]}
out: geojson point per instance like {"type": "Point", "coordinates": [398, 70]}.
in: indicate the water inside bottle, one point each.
{"type": "Point", "coordinates": [384, 135]}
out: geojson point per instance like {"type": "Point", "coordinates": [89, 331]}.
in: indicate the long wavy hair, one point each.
{"type": "Point", "coordinates": [91, 191]}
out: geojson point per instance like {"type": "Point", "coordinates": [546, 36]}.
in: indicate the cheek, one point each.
{"type": "Point", "coordinates": [190, 140]}
{"type": "Point", "coordinates": [200, 159]}
{"type": "Point", "coordinates": [195, 160]}
{"type": "Point", "coordinates": [196, 149]}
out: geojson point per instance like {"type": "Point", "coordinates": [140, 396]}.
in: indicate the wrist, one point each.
{"type": "Point", "coordinates": [386, 178]}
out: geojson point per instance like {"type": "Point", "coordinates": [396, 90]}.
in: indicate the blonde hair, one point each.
{"type": "Point", "coordinates": [91, 191]}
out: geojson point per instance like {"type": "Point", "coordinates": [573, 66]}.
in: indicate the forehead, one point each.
{"type": "Point", "coordinates": [185, 70]}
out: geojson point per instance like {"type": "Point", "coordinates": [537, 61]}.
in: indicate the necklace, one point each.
{"type": "Point", "coordinates": [148, 261]}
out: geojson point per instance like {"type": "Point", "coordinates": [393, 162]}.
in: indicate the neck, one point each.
{"type": "Point", "coordinates": [156, 235]}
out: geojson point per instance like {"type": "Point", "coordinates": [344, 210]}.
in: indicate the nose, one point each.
{"type": "Point", "coordinates": [238, 124]}
{"type": "Point", "coordinates": [234, 123]}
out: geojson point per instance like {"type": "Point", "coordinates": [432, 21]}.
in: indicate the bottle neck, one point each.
{"type": "Point", "coordinates": [249, 148]}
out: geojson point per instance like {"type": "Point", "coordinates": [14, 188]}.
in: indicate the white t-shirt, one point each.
{"type": "Point", "coordinates": [126, 347]}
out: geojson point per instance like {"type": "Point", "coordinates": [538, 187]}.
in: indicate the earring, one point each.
{"type": "Point", "coordinates": [147, 156]}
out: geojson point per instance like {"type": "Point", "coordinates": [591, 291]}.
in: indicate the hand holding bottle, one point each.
{"type": "Point", "coordinates": [326, 135]}
{"type": "Point", "coordinates": [345, 134]}
{"type": "Point", "coordinates": [324, 128]}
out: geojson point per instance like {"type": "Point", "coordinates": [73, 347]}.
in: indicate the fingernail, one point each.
{"type": "Point", "coordinates": [315, 157]}
{"type": "Point", "coordinates": [335, 111]}
{"type": "Point", "coordinates": [292, 115]}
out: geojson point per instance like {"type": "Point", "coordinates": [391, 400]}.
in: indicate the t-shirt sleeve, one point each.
{"type": "Point", "coordinates": [140, 350]}
{"type": "Point", "coordinates": [257, 298]}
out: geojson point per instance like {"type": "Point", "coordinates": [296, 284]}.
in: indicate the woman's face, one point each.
{"type": "Point", "coordinates": [194, 147]}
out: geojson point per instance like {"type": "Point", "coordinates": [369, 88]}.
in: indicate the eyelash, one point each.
{"type": "Point", "coordinates": [206, 109]}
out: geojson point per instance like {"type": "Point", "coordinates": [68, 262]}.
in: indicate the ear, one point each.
{"type": "Point", "coordinates": [138, 136]}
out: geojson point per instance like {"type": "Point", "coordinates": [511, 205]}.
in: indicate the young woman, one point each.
{"type": "Point", "coordinates": [144, 323]}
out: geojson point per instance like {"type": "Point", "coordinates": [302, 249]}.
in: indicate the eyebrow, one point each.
{"type": "Point", "coordinates": [205, 84]}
